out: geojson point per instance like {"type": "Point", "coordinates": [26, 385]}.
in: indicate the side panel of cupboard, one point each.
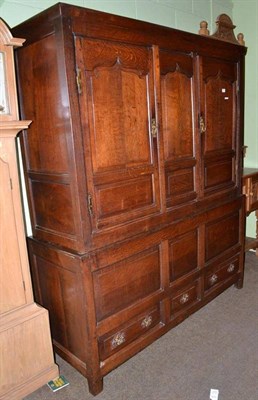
{"type": "Point", "coordinates": [49, 147]}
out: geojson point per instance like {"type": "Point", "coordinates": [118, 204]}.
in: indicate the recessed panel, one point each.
{"type": "Point", "coordinates": [125, 196]}
{"type": "Point", "coordinates": [183, 255]}
{"type": "Point", "coordinates": [60, 293]}
{"type": "Point", "coordinates": [119, 126]}
{"type": "Point", "coordinates": [219, 96]}
{"type": "Point", "coordinates": [46, 104]}
{"type": "Point", "coordinates": [119, 285]}
{"type": "Point", "coordinates": [176, 93]}
{"type": "Point", "coordinates": [221, 235]}
{"type": "Point", "coordinates": [219, 173]}
{"type": "Point", "coordinates": [179, 186]}
{"type": "Point", "coordinates": [53, 207]}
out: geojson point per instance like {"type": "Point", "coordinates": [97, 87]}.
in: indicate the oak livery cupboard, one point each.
{"type": "Point", "coordinates": [133, 169]}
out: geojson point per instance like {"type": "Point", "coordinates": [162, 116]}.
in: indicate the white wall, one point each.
{"type": "Point", "coordinates": [181, 14]}
{"type": "Point", "coordinates": [245, 15]}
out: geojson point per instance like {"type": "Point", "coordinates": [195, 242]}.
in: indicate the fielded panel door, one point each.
{"type": "Point", "coordinates": [178, 121]}
{"type": "Point", "coordinates": [117, 114]}
{"type": "Point", "coordinates": [217, 123]}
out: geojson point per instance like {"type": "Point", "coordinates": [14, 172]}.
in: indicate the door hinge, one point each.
{"type": "Point", "coordinates": [202, 125]}
{"type": "Point", "coordinates": [90, 206]}
{"type": "Point", "coordinates": [79, 80]}
{"type": "Point", "coordinates": [24, 286]}
{"type": "Point", "coordinates": [154, 128]}
{"type": "Point", "coordinates": [11, 184]}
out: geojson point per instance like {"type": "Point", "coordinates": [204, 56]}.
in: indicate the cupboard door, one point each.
{"type": "Point", "coordinates": [117, 110]}
{"type": "Point", "coordinates": [217, 122]}
{"type": "Point", "coordinates": [177, 95]}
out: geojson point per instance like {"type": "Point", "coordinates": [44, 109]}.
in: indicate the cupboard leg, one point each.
{"type": "Point", "coordinates": [95, 386]}
{"type": "Point", "coordinates": [239, 283]}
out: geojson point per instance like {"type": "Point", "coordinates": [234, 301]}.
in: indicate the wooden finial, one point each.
{"type": "Point", "coordinates": [244, 148]}
{"type": "Point", "coordinates": [204, 28]}
{"type": "Point", "coordinates": [240, 38]}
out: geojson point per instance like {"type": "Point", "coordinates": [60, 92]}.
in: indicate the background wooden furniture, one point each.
{"type": "Point", "coordinates": [26, 361]}
{"type": "Point", "coordinates": [133, 170]}
{"type": "Point", "coordinates": [250, 189]}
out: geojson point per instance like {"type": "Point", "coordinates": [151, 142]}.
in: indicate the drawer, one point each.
{"type": "Point", "coordinates": [185, 297]}
{"type": "Point", "coordinates": [218, 275]}
{"type": "Point", "coordinates": [121, 337]}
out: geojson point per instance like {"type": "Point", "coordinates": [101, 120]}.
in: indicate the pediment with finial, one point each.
{"type": "Point", "coordinates": [225, 29]}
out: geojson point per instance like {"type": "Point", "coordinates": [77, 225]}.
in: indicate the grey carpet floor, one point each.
{"type": "Point", "coordinates": [216, 348]}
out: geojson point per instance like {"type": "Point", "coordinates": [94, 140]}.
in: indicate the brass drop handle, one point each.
{"type": "Point", "coordinates": [184, 298]}
{"type": "Point", "coordinates": [213, 279]}
{"type": "Point", "coordinates": [231, 268]}
{"type": "Point", "coordinates": [146, 322]}
{"type": "Point", "coordinates": [118, 339]}
{"type": "Point", "coordinates": [202, 124]}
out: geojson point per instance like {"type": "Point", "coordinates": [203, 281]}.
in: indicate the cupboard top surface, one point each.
{"type": "Point", "coordinates": [249, 172]}
{"type": "Point", "coordinates": [105, 25]}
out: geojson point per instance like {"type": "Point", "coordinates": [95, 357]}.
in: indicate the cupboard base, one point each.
{"type": "Point", "coordinates": [96, 328]}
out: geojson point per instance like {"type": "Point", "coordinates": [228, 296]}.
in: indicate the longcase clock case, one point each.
{"type": "Point", "coordinates": [133, 169]}
{"type": "Point", "coordinates": [26, 353]}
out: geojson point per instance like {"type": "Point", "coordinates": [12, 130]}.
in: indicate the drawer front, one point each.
{"type": "Point", "coordinates": [217, 276]}
{"type": "Point", "coordinates": [184, 298]}
{"type": "Point", "coordinates": [121, 337]}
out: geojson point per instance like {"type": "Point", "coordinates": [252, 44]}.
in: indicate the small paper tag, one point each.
{"type": "Point", "coordinates": [214, 394]}
{"type": "Point", "coordinates": [58, 383]}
